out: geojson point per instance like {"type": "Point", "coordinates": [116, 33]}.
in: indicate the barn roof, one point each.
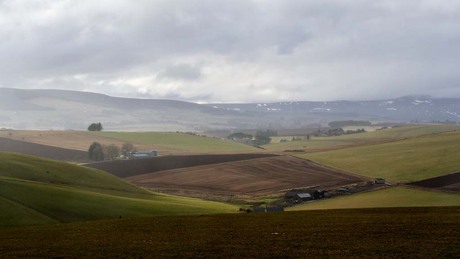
{"type": "Point", "coordinates": [304, 195]}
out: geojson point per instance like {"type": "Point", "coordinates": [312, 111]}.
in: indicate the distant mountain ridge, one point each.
{"type": "Point", "coordinates": [63, 109]}
{"type": "Point", "coordinates": [403, 109]}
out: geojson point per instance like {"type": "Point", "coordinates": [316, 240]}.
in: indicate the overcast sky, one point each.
{"type": "Point", "coordinates": [233, 51]}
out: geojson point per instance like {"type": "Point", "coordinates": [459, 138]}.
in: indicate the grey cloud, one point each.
{"type": "Point", "coordinates": [182, 72]}
{"type": "Point", "coordinates": [298, 49]}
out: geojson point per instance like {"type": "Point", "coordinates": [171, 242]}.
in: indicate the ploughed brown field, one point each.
{"type": "Point", "coordinates": [358, 233]}
{"type": "Point", "coordinates": [57, 153]}
{"type": "Point", "coordinates": [450, 183]}
{"type": "Point", "coordinates": [253, 177]}
{"type": "Point", "coordinates": [127, 168]}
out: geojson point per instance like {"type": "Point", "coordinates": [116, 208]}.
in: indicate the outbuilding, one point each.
{"type": "Point", "coordinates": [143, 154]}
{"type": "Point", "coordinates": [379, 181]}
{"type": "Point", "coordinates": [300, 197]}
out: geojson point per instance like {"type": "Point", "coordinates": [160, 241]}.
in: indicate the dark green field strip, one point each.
{"type": "Point", "coordinates": [391, 233]}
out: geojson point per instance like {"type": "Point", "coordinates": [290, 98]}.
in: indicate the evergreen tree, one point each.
{"type": "Point", "coordinates": [95, 126]}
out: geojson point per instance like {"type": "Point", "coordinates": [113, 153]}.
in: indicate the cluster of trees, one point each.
{"type": "Point", "coordinates": [98, 152]}
{"type": "Point", "coordinates": [340, 131]}
{"type": "Point", "coordinates": [262, 137]}
{"type": "Point", "coordinates": [95, 126]}
{"type": "Point", "coordinates": [239, 136]}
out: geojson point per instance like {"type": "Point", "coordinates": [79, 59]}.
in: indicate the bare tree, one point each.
{"type": "Point", "coordinates": [127, 148]}
{"type": "Point", "coordinates": [111, 151]}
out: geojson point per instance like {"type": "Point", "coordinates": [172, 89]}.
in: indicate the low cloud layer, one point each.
{"type": "Point", "coordinates": [233, 51]}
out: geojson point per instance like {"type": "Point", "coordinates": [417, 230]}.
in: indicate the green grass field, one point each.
{"type": "Point", "coordinates": [179, 142]}
{"type": "Point", "coordinates": [388, 197]}
{"type": "Point", "coordinates": [38, 191]}
{"type": "Point", "coordinates": [359, 233]}
{"type": "Point", "coordinates": [405, 160]}
{"type": "Point", "coordinates": [385, 135]}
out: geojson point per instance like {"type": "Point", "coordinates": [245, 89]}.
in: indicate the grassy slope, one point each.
{"type": "Point", "coordinates": [401, 161]}
{"type": "Point", "coordinates": [179, 141]}
{"type": "Point", "coordinates": [389, 197]}
{"type": "Point", "coordinates": [15, 214]}
{"type": "Point", "coordinates": [364, 233]}
{"type": "Point", "coordinates": [38, 191]}
{"type": "Point", "coordinates": [36, 169]}
{"type": "Point", "coordinates": [386, 135]}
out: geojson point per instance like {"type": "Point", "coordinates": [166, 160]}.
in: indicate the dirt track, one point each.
{"type": "Point", "coordinates": [10, 145]}
{"type": "Point", "coordinates": [252, 177]}
{"type": "Point", "coordinates": [450, 182]}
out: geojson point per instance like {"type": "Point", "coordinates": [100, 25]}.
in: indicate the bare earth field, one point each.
{"type": "Point", "coordinates": [450, 183]}
{"type": "Point", "coordinates": [359, 233]}
{"type": "Point", "coordinates": [57, 153]}
{"type": "Point", "coordinates": [253, 177]}
{"type": "Point", "coordinates": [127, 168]}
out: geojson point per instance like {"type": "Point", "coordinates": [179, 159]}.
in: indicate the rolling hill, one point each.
{"type": "Point", "coordinates": [406, 160]}
{"type": "Point", "coordinates": [38, 191]}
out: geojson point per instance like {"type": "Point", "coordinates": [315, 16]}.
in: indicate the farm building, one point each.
{"type": "Point", "coordinates": [143, 154]}
{"type": "Point", "coordinates": [379, 181]}
{"type": "Point", "coordinates": [300, 197]}
{"type": "Point", "coordinates": [290, 195]}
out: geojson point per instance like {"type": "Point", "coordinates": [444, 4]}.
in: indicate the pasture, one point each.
{"type": "Point", "coordinates": [179, 142]}
{"type": "Point", "coordinates": [166, 143]}
{"type": "Point", "coordinates": [76, 140]}
{"type": "Point", "coordinates": [359, 233]}
{"type": "Point", "coordinates": [375, 137]}
{"type": "Point", "coordinates": [384, 198]}
{"type": "Point", "coordinates": [406, 160]}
